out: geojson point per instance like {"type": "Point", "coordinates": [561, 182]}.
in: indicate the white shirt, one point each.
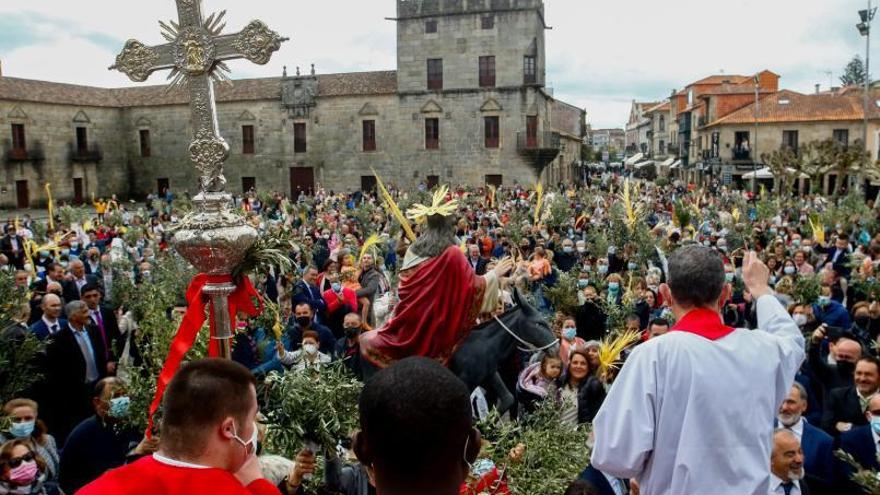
{"type": "Point", "coordinates": [776, 486]}
{"type": "Point", "coordinates": [616, 484]}
{"type": "Point", "coordinates": [704, 406]}
{"type": "Point", "coordinates": [52, 327]}
{"type": "Point", "coordinates": [797, 428]}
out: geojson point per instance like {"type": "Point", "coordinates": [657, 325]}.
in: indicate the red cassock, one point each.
{"type": "Point", "coordinates": [150, 477]}
{"type": "Point", "coordinates": [439, 301]}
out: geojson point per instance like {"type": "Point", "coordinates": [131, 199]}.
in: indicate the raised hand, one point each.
{"type": "Point", "coordinates": [756, 275]}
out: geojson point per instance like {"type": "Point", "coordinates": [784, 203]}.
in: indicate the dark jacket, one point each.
{"type": "Point", "coordinates": [595, 477]}
{"type": "Point", "coordinates": [40, 329]}
{"type": "Point", "coordinates": [304, 293]}
{"type": "Point", "coordinates": [65, 392]}
{"type": "Point", "coordinates": [16, 257]}
{"type": "Point", "coordinates": [480, 266]}
{"type": "Point", "coordinates": [93, 448]}
{"type": "Point", "coordinates": [590, 321]}
{"type": "Point", "coordinates": [591, 394]}
{"type": "Point", "coordinates": [326, 344]}
{"type": "Point", "coordinates": [842, 405]}
{"type": "Point", "coordinates": [858, 442]}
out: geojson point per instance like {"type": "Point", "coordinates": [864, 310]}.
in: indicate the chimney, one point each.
{"type": "Point", "coordinates": [817, 88]}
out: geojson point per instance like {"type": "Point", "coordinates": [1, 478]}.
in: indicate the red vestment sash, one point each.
{"type": "Point", "coordinates": [703, 322]}
{"type": "Point", "coordinates": [439, 301]}
{"type": "Point", "coordinates": [240, 299]}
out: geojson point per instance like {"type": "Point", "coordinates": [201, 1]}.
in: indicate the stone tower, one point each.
{"type": "Point", "coordinates": [460, 32]}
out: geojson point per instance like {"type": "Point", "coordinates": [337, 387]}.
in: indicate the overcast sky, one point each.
{"type": "Point", "coordinates": [601, 54]}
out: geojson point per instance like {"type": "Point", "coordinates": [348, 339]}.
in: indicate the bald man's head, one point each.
{"type": "Point", "coordinates": [846, 349]}
{"type": "Point", "coordinates": [51, 306]}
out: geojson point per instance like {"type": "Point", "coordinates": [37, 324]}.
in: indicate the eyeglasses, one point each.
{"type": "Point", "coordinates": [16, 461]}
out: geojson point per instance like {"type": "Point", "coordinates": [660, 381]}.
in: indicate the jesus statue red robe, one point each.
{"type": "Point", "coordinates": [439, 301]}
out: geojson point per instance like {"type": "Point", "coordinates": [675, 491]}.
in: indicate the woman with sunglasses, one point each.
{"type": "Point", "coordinates": [22, 471]}
{"type": "Point", "coordinates": [25, 423]}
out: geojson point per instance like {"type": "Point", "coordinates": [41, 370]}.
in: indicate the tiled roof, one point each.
{"type": "Point", "coordinates": [13, 88]}
{"type": "Point", "coordinates": [737, 89]}
{"type": "Point", "coordinates": [720, 79]}
{"type": "Point", "coordinates": [662, 107]}
{"type": "Point", "coordinates": [799, 108]}
{"type": "Point", "coordinates": [348, 84]}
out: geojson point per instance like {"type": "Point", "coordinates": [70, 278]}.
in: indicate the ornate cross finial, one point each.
{"type": "Point", "coordinates": [196, 53]}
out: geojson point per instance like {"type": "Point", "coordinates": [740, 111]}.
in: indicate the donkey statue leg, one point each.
{"type": "Point", "coordinates": [504, 399]}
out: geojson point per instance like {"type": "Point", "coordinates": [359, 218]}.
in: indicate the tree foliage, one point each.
{"type": "Point", "coordinates": [854, 73]}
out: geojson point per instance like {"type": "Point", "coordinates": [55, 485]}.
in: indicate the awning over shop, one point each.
{"type": "Point", "coordinates": [677, 164]}
{"type": "Point", "coordinates": [645, 164]}
{"type": "Point", "coordinates": [668, 162]}
{"type": "Point", "coordinates": [634, 159]}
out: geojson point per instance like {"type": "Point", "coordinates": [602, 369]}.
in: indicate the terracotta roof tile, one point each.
{"type": "Point", "coordinates": [349, 84]}
{"type": "Point", "coordinates": [662, 107]}
{"type": "Point", "coordinates": [721, 78]}
{"type": "Point", "coordinates": [799, 108]}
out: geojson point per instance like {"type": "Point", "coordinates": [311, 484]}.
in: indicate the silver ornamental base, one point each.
{"type": "Point", "coordinates": [215, 240]}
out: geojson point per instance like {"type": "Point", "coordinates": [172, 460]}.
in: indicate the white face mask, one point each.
{"type": "Point", "coordinates": [310, 349]}
{"type": "Point", "coordinates": [247, 445]}
{"type": "Point", "coordinates": [800, 319]}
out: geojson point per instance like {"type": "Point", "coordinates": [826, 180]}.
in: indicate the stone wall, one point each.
{"type": "Point", "coordinates": [770, 135]}
{"type": "Point", "coordinates": [50, 131]}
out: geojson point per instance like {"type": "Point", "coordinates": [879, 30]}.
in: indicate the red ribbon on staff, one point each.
{"type": "Point", "coordinates": [241, 299]}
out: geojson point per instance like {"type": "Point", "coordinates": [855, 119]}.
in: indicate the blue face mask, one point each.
{"type": "Point", "coordinates": [824, 300]}
{"type": "Point", "coordinates": [119, 407]}
{"type": "Point", "coordinates": [613, 286]}
{"type": "Point", "coordinates": [728, 277]}
{"type": "Point", "coordinates": [789, 270]}
{"type": "Point", "coordinates": [23, 429]}
{"type": "Point", "coordinates": [569, 333]}
{"type": "Point", "coordinates": [875, 424]}
{"type": "Point", "coordinates": [632, 266]}
{"type": "Point", "coordinates": [583, 283]}
{"type": "Point", "coordinates": [772, 279]}
{"type": "Point", "coordinates": [567, 249]}
{"type": "Point", "coordinates": [336, 286]}
{"type": "Point", "coordinates": [603, 269]}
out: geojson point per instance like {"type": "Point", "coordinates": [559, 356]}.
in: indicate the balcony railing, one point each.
{"type": "Point", "coordinates": [537, 141]}
{"type": "Point", "coordinates": [742, 155]}
{"type": "Point", "coordinates": [33, 153]}
{"type": "Point", "coordinates": [90, 154]}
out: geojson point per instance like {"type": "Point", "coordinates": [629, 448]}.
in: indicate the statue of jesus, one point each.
{"type": "Point", "coordinates": [440, 295]}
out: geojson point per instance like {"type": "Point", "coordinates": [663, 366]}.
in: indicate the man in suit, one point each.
{"type": "Point", "coordinates": [306, 291]}
{"type": "Point", "coordinates": [845, 407]}
{"type": "Point", "coordinates": [74, 362]}
{"type": "Point", "coordinates": [73, 288]}
{"type": "Point", "coordinates": [12, 245]}
{"type": "Point", "coordinates": [817, 446]}
{"type": "Point", "coordinates": [51, 322]}
{"type": "Point", "coordinates": [861, 443]}
{"type": "Point", "coordinates": [838, 255]}
{"type": "Point", "coordinates": [477, 262]}
{"type": "Point", "coordinates": [787, 465]}
{"type": "Point", "coordinates": [102, 318]}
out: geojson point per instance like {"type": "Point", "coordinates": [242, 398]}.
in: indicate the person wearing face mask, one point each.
{"type": "Point", "coordinates": [861, 327]}
{"type": "Point", "coordinates": [830, 312]}
{"type": "Point", "coordinates": [22, 470]}
{"type": "Point", "coordinates": [348, 347]}
{"type": "Point", "coordinates": [25, 424]}
{"type": "Point", "coordinates": [569, 340]}
{"type": "Point", "coordinates": [307, 357]}
{"type": "Point", "coordinates": [615, 290]}
{"type": "Point", "coordinates": [208, 443]}
{"type": "Point", "coordinates": [303, 321]}
{"type": "Point", "coordinates": [566, 257]}
{"type": "Point", "coordinates": [340, 301]}
{"type": "Point", "coordinates": [98, 443]}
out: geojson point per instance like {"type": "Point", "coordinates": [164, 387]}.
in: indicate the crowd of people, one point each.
{"type": "Point", "coordinates": [591, 257]}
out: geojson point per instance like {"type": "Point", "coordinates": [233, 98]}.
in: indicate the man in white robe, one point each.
{"type": "Point", "coordinates": [692, 411]}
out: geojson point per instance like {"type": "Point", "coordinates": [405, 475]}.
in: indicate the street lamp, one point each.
{"type": "Point", "coordinates": [864, 28]}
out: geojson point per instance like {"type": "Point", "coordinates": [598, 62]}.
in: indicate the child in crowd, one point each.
{"type": "Point", "coordinates": [537, 381]}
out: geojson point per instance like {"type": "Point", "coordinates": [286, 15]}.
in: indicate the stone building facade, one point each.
{"type": "Point", "coordinates": [467, 104]}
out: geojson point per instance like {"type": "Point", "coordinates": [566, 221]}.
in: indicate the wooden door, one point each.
{"type": "Point", "coordinates": [368, 184]}
{"type": "Point", "coordinates": [433, 180]}
{"type": "Point", "coordinates": [22, 196]}
{"type": "Point", "coordinates": [248, 183]}
{"type": "Point", "coordinates": [162, 185]}
{"type": "Point", "coordinates": [302, 179]}
{"type": "Point", "coordinates": [78, 191]}
{"type": "Point", "coordinates": [494, 180]}
{"type": "Point", "coordinates": [531, 131]}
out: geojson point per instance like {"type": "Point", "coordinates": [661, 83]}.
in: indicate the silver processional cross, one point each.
{"type": "Point", "coordinates": [195, 53]}
{"type": "Point", "coordinates": [212, 237]}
